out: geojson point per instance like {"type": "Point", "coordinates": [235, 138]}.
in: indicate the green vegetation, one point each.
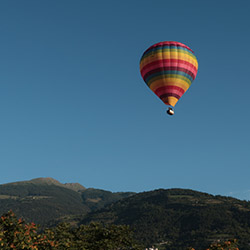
{"type": "Point", "coordinates": [40, 202]}
{"type": "Point", "coordinates": [48, 202]}
{"type": "Point", "coordinates": [176, 219]}
{"type": "Point", "coordinates": [96, 198]}
{"type": "Point", "coordinates": [173, 219]}
{"type": "Point", "coordinates": [16, 234]}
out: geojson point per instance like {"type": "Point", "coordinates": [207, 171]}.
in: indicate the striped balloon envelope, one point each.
{"type": "Point", "coordinates": [169, 68]}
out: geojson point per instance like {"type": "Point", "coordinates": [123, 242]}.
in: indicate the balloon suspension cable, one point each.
{"type": "Point", "coordinates": [170, 111]}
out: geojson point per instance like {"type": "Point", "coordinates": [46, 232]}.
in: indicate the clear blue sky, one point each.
{"type": "Point", "coordinates": [74, 107]}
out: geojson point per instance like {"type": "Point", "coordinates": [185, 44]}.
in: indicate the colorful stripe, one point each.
{"type": "Point", "coordinates": [169, 68]}
{"type": "Point", "coordinates": [168, 63]}
{"type": "Point", "coordinates": [169, 50]}
{"type": "Point", "coordinates": [165, 70]}
{"type": "Point", "coordinates": [161, 56]}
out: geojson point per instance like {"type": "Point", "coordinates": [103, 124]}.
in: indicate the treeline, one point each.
{"type": "Point", "coordinates": [17, 234]}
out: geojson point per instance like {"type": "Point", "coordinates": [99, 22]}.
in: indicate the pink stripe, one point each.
{"type": "Point", "coordinates": [168, 63]}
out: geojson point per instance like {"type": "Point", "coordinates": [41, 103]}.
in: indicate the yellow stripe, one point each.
{"type": "Point", "coordinates": [167, 82]}
{"type": "Point", "coordinates": [169, 55]}
{"type": "Point", "coordinates": [171, 100]}
{"type": "Point", "coordinates": [169, 78]}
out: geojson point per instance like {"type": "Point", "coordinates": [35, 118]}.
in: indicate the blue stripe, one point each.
{"type": "Point", "coordinates": [167, 47]}
{"type": "Point", "coordinates": [169, 72]}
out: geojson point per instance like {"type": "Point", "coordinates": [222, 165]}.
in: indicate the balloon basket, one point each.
{"type": "Point", "coordinates": [170, 111]}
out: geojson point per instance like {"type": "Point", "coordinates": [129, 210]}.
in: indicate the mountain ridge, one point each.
{"type": "Point", "coordinates": [50, 181]}
{"type": "Point", "coordinates": [179, 218]}
{"type": "Point", "coordinates": [47, 201]}
{"type": "Point", "coordinates": [167, 218]}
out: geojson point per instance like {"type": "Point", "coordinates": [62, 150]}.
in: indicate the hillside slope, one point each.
{"type": "Point", "coordinates": [169, 219]}
{"type": "Point", "coordinates": [40, 202]}
{"type": "Point", "coordinates": [46, 201]}
{"type": "Point", "coordinates": [178, 218]}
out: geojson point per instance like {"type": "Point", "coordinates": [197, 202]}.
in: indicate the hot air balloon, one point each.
{"type": "Point", "coordinates": [169, 68]}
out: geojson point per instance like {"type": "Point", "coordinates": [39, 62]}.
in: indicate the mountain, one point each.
{"type": "Point", "coordinates": [178, 218]}
{"type": "Point", "coordinates": [50, 181]}
{"type": "Point", "coordinates": [171, 219]}
{"type": "Point", "coordinates": [46, 201]}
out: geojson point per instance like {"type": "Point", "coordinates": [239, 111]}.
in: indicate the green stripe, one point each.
{"type": "Point", "coordinates": [167, 77]}
{"type": "Point", "coordinates": [169, 72]}
{"type": "Point", "coordinates": [153, 52]}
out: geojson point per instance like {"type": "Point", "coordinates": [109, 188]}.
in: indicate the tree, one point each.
{"type": "Point", "coordinates": [111, 237]}
{"type": "Point", "coordinates": [227, 245]}
{"type": "Point", "coordinates": [16, 234]}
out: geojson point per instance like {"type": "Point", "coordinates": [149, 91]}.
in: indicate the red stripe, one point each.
{"type": "Point", "coordinates": [169, 90]}
{"type": "Point", "coordinates": [169, 94]}
{"type": "Point", "coordinates": [168, 63]}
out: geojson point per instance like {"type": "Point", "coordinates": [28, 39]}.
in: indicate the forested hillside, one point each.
{"type": "Point", "coordinates": [178, 218]}
{"type": "Point", "coordinates": [46, 201]}
{"type": "Point", "coordinates": [169, 219]}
